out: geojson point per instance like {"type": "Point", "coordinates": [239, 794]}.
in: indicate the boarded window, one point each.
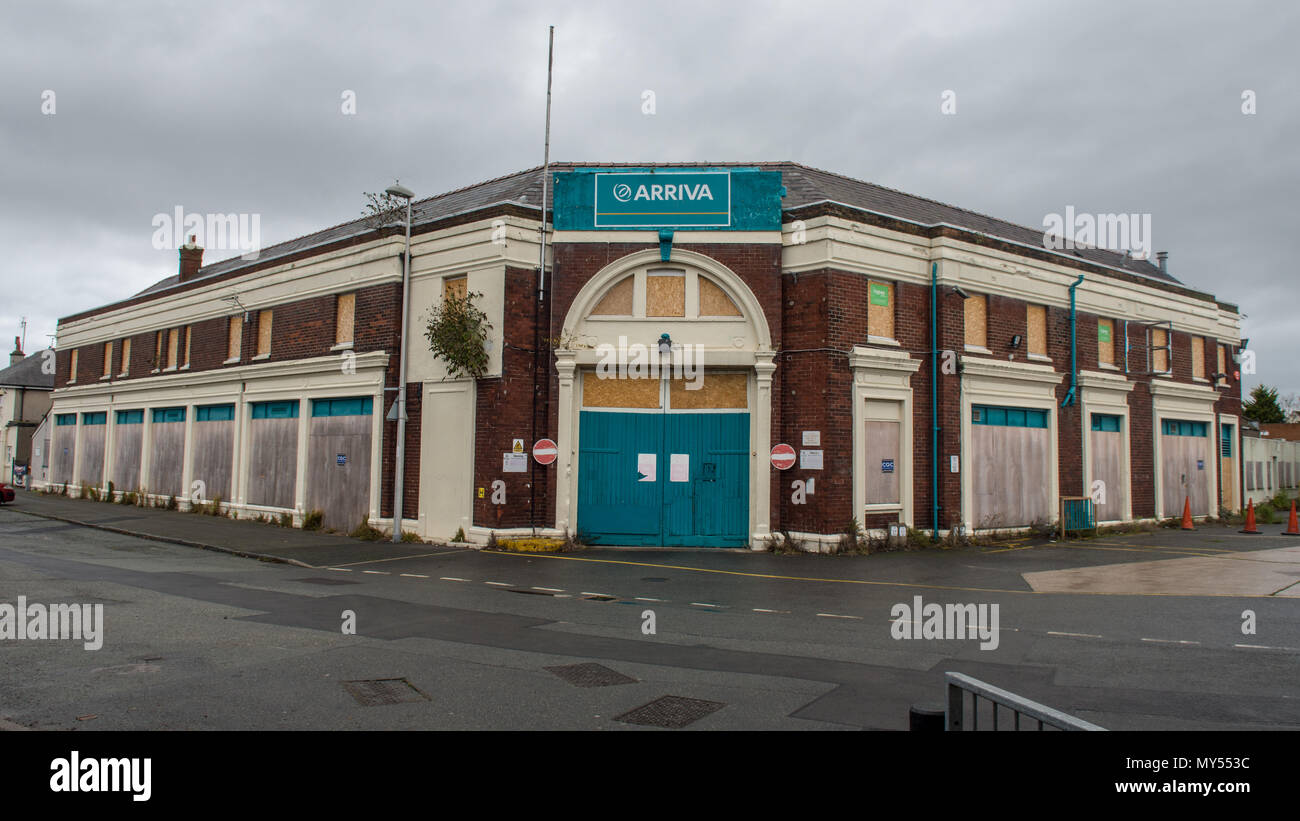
{"type": "Point", "coordinates": [345, 312]}
{"type": "Point", "coordinates": [665, 295]}
{"type": "Point", "coordinates": [456, 287]}
{"type": "Point", "coordinates": [714, 301]}
{"type": "Point", "coordinates": [880, 309]}
{"type": "Point", "coordinates": [126, 356]}
{"type": "Point", "coordinates": [173, 345]}
{"type": "Point", "coordinates": [1159, 350]}
{"type": "Point", "coordinates": [718, 390]}
{"type": "Point", "coordinates": [234, 337]}
{"type": "Point", "coordinates": [619, 393]}
{"type": "Point", "coordinates": [1198, 357]}
{"type": "Point", "coordinates": [1106, 342]}
{"type": "Point", "coordinates": [1222, 361]}
{"type": "Point", "coordinates": [72, 367]}
{"type": "Point", "coordinates": [186, 360]}
{"type": "Point", "coordinates": [976, 308]}
{"type": "Point", "coordinates": [883, 467]}
{"type": "Point", "coordinates": [617, 301]}
{"type": "Point", "coordinates": [108, 359]}
{"type": "Point", "coordinates": [158, 349]}
{"type": "Point", "coordinates": [264, 332]}
{"type": "Point", "coordinates": [1036, 325]}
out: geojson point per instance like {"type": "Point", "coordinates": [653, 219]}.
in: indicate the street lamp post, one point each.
{"type": "Point", "coordinates": [398, 477]}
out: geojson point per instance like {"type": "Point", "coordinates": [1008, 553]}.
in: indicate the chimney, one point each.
{"type": "Point", "coordinates": [191, 260]}
{"type": "Point", "coordinates": [17, 355]}
{"type": "Point", "coordinates": [1162, 257]}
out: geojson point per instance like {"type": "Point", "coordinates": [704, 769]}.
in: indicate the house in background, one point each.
{"type": "Point", "coordinates": [25, 390]}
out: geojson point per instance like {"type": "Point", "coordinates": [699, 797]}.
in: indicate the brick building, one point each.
{"type": "Point", "coordinates": [927, 365]}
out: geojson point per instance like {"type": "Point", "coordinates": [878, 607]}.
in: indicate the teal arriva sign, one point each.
{"type": "Point", "coordinates": [637, 200]}
{"type": "Point", "coordinates": [737, 199]}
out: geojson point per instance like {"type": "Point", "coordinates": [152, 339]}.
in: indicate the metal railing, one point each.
{"type": "Point", "coordinates": [956, 717]}
{"type": "Point", "coordinates": [1077, 515]}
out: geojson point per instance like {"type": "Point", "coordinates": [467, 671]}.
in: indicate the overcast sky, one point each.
{"type": "Point", "coordinates": [1119, 107]}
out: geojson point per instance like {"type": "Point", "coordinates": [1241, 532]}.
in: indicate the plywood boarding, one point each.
{"type": "Point", "coordinates": [882, 444]}
{"type": "Point", "coordinates": [65, 453]}
{"type": "Point", "coordinates": [72, 367]}
{"type": "Point", "coordinates": [1036, 329]}
{"type": "Point", "coordinates": [1106, 341]}
{"type": "Point", "coordinates": [1011, 480]}
{"type": "Point", "coordinates": [273, 462]}
{"type": "Point", "coordinates": [1108, 466]}
{"type": "Point", "coordinates": [186, 360]}
{"type": "Point", "coordinates": [127, 440]}
{"type": "Point", "coordinates": [235, 337]}
{"type": "Point", "coordinates": [617, 301]}
{"type": "Point", "coordinates": [717, 391]}
{"type": "Point", "coordinates": [976, 311]}
{"type": "Point", "coordinates": [342, 492]}
{"type": "Point", "coordinates": [344, 315]}
{"type": "Point", "coordinates": [1222, 361]}
{"type": "Point", "coordinates": [173, 346]}
{"type": "Point", "coordinates": [1181, 479]}
{"type": "Point", "coordinates": [126, 355]}
{"type": "Point", "coordinates": [665, 295]}
{"type": "Point", "coordinates": [92, 454]}
{"type": "Point", "coordinates": [880, 318]}
{"type": "Point", "coordinates": [714, 301]}
{"type": "Point", "coordinates": [1159, 359]}
{"type": "Point", "coordinates": [264, 320]}
{"type": "Point", "coordinates": [158, 349]}
{"type": "Point", "coordinates": [1198, 356]}
{"type": "Point", "coordinates": [456, 287]}
{"type": "Point", "coordinates": [619, 393]}
{"type": "Point", "coordinates": [167, 458]}
{"type": "Point", "coordinates": [214, 444]}
{"type": "Point", "coordinates": [108, 359]}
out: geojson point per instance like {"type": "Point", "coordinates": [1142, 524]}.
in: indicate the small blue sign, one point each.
{"type": "Point", "coordinates": [1200, 464]}
{"type": "Point", "coordinates": [886, 465]}
{"type": "Point", "coordinates": [341, 459]}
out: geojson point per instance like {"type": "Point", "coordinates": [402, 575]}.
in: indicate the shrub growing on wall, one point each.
{"type": "Point", "coordinates": [457, 332]}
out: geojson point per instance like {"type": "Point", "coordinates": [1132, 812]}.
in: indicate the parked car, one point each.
{"type": "Point", "coordinates": [6, 493]}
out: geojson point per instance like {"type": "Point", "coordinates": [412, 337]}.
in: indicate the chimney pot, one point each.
{"type": "Point", "coordinates": [17, 355]}
{"type": "Point", "coordinates": [1162, 257]}
{"type": "Point", "coordinates": [191, 260]}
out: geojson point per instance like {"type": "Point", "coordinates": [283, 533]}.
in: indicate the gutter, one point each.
{"type": "Point", "coordinates": [1074, 347]}
{"type": "Point", "coordinates": [934, 403]}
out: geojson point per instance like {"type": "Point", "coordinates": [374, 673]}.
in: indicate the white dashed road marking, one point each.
{"type": "Point", "coordinates": [1074, 635]}
{"type": "Point", "coordinates": [838, 616]}
{"type": "Point", "coordinates": [1170, 641]}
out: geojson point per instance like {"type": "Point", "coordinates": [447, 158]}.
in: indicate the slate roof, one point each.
{"type": "Point", "coordinates": [27, 374]}
{"type": "Point", "coordinates": [804, 186]}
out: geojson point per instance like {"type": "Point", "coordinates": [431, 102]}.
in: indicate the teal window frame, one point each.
{"type": "Point", "coordinates": [1009, 417]}
{"type": "Point", "coordinates": [164, 415]}
{"type": "Point", "coordinates": [1184, 427]}
{"type": "Point", "coordinates": [283, 409]}
{"type": "Point", "coordinates": [1107, 422]}
{"type": "Point", "coordinates": [94, 418]}
{"type": "Point", "coordinates": [350, 406]}
{"type": "Point", "coordinates": [214, 413]}
{"type": "Point", "coordinates": [64, 419]}
{"type": "Point", "coordinates": [130, 417]}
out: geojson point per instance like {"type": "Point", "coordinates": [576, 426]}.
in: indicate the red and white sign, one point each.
{"type": "Point", "coordinates": [782, 456]}
{"type": "Point", "coordinates": [545, 451]}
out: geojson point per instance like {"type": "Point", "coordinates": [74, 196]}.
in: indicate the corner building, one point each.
{"type": "Point", "coordinates": [928, 366]}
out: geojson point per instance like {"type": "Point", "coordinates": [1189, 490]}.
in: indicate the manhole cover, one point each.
{"type": "Point", "coordinates": [325, 581]}
{"type": "Point", "coordinates": [374, 692]}
{"type": "Point", "coordinates": [591, 675]}
{"type": "Point", "coordinates": [671, 711]}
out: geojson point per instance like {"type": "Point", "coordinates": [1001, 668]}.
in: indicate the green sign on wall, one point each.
{"type": "Point", "coordinates": [729, 199]}
{"type": "Point", "coordinates": [1103, 333]}
{"type": "Point", "coordinates": [879, 294]}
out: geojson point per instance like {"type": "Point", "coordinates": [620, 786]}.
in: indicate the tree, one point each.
{"type": "Point", "coordinates": [1263, 406]}
{"type": "Point", "coordinates": [457, 331]}
{"type": "Point", "coordinates": [384, 209]}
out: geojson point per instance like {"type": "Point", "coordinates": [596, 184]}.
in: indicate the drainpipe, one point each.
{"type": "Point", "coordinates": [934, 402]}
{"type": "Point", "coordinates": [1074, 347]}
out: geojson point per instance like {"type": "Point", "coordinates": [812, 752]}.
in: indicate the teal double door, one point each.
{"type": "Point", "coordinates": [664, 478]}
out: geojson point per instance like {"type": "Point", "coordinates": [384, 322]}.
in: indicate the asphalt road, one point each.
{"type": "Point", "coordinates": [202, 640]}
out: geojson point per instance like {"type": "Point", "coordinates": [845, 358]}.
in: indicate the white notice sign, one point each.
{"type": "Point", "coordinates": [679, 467]}
{"type": "Point", "coordinates": [645, 467]}
{"type": "Point", "coordinates": [810, 460]}
{"type": "Point", "coordinates": [514, 463]}
{"type": "Point", "coordinates": [812, 439]}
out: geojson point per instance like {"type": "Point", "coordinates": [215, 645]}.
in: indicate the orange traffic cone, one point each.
{"type": "Point", "coordinates": [1292, 526]}
{"type": "Point", "coordinates": [1250, 520]}
{"type": "Point", "coordinates": [1187, 513]}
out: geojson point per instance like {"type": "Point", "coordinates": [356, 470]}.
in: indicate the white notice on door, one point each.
{"type": "Point", "coordinates": [514, 463]}
{"type": "Point", "coordinates": [679, 467]}
{"type": "Point", "coordinates": [645, 466]}
{"type": "Point", "coordinates": [810, 460]}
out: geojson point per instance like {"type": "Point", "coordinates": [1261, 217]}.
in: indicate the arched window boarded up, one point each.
{"type": "Point", "coordinates": [714, 301]}
{"type": "Point", "coordinates": [665, 294]}
{"type": "Point", "coordinates": [619, 393]}
{"type": "Point", "coordinates": [719, 391]}
{"type": "Point", "coordinates": [617, 301]}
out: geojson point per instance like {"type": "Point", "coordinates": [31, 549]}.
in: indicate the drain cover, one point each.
{"type": "Point", "coordinates": [374, 692]}
{"type": "Point", "coordinates": [325, 581]}
{"type": "Point", "coordinates": [590, 675]}
{"type": "Point", "coordinates": [671, 711]}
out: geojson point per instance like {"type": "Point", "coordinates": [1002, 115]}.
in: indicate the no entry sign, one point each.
{"type": "Point", "coordinates": [782, 456]}
{"type": "Point", "coordinates": [544, 451]}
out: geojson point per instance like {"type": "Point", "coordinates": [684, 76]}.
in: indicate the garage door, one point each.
{"type": "Point", "coordinates": [660, 464]}
{"type": "Point", "coordinates": [1184, 461]}
{"type": "Point", "coordinates": [1011, 458]}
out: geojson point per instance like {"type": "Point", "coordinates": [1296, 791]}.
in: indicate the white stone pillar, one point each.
{"type": "Point", "coordinates": [764, 367]}
{"type": "Point", "coordinates": [566, 442]}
